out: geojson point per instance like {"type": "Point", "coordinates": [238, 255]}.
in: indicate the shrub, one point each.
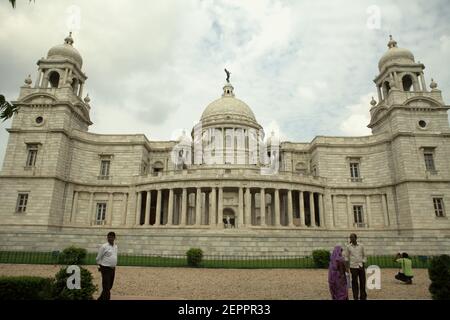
{"type": "Point", "coordinates": [194, 257]}
{"type": "Point", "coordinates": [72, 256]}
{"type": "Point", "coordinates": [62, 292]}
{"type": "Point", "coordinates": [439, 273]}
{"type": "Point", "coordinates": [321, 258]}
{"type": "Point", "coordinates": [25, 288]}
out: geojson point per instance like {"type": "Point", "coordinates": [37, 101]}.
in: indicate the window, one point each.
{"type": "Point", "coordinates": [354, 170]}
{"type": "Point", "coordinates": [54, 79]}
{"type": "Point", "coordinates": [439, 207]}
{"type": "Point", "coordinates": [32, 154]}
{"type": "Point", "coordinates": [429, 161]}
{"type": "Point", "coordinates": [22, 201]}
{"type": "Point", "coordinates": [358, 215]}
{"type": "Point", "coordinates": [104, 168]}
{"type": "Point", "coordinates": [407, 83]}
{"type": "Point", "coordinates": [100, 213]}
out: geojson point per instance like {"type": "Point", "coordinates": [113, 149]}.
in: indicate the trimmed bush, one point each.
{"type": "Point", "coordinates": [194, 257]}
{"type": "Point", "coordinates": [321, 258]}
{"type": "Point", "coordinates": [62, 292]}
{"type": "Point", "coordinates": [72, 256]}
{"type": "Point", "coordinates": [25, 288]}
{"type": "Point", "coordinates": [439, 273]}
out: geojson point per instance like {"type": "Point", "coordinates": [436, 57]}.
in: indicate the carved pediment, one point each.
{"type": "Point", "coordinates": [422, 102]}
{"type": "Point", "coordinates": [39, 98]}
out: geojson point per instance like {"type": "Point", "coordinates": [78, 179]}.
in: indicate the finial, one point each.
{"type": "Point", "coordinates": [392, 43]}
{"type": "Point", "coordinates": [28, 81]}
{"type": "Point", "coordinates": [433, 85]}
{"type": "Point", "coordinates": [373, 102]}
{"type": "Point", "coordinates": [69, 39]}
{"type": "Point", "coordinates": [87, 99]}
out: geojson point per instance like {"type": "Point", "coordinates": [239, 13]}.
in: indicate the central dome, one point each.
{"type": "Point", "coordinates": [66, 50]}
{"type": "Point", "coordinates": [228, 109]}
{"type": "Point", "coordinates": [228, 106]}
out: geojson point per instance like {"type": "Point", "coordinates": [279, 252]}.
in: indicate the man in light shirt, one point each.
{"type": "Point", "coordinates": [107, 261]}
{"type": "Point", "coordinates": [356, 262]}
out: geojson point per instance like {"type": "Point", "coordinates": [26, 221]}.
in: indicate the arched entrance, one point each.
{"type": "Point", "coordinates": [229, 218]}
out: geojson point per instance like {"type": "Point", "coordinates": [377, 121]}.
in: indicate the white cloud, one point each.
{"type": "Point", "coordinates": [357, 118]}
{"type": "Point", "coordinates": [154, 66]}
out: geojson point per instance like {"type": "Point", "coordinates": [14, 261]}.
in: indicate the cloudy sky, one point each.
{"type": "Point", "coordinates": [304, 67]}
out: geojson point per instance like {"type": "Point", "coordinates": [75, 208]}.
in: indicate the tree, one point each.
{"type": "Point", "coordinates": [7, 109]}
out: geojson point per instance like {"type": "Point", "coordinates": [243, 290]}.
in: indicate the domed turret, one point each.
{"type": "Point", "coordinates": [395, 55]}
{"type": "Point", "coordinates": [66, 50]}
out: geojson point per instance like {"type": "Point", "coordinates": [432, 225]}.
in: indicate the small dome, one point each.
{"type": "Point", "coordinates": [395, 55]}
{"type": "Point", "coordinates": [66, 50]}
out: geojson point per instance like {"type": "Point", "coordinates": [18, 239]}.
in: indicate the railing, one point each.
{"type": "Point", "coordinates": [209, 261]}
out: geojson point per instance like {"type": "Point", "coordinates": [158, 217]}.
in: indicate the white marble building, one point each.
{"type": "Point", "coordinates": [230, 193]}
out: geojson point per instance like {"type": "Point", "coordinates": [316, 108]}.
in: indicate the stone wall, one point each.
{"type": "Point", "coordinates": [288, 242]}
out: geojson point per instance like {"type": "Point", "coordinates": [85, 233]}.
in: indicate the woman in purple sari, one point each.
{"type": "Point", "coordinates": [336, 275]}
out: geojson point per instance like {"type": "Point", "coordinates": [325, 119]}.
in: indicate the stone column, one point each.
{"type": "Point", "coordinates": [220, 209]}
{"type": "Point", "coordinates": [379, 94]}
{"type": "Point", "coordinates": [369, 213]}
{"type": "Point", "coordinates": [198, 207]}
{"type": "Point", "coordinates": [207, 209]}
{"type": "Point", "coordinates": [349, 212]}
{"type": "Point", "coordinates": [125, 207]}
{"type": "Point", "coordinates": [240, 207]}
{"type": "Point", "coordinates": [290, 215]}
{"type": "Point", "coordinates": [333, 209]}
{"type": "Point", "coordinates": [73, 216]}
{"type": "Point", "coordinates": [302, 208]}
{"type": "Point", "coordinates": [248, 207]}
{"type": "Point", "coordinates": [321, 213]}
{"type": "Point", "coordinates": [385, 212]}
{"type": "Point", "coordinates": [91, 209]}
{"type": "Point", "coordinates": [183, 206]}
{"type": "Point", "coordinates": [422, 80]}
{"type": "Point", "coordinates": [109, 209]}
{"type": "Point", "coordinates": [277, 207]}
{"type": "Point", "coordinates": [80, 94]}
{"type": "Point", "coordinates": [147, 208]}
{"type": "Point", "coordinates": [170, 208]}
{"type": "Point", "coordinates": [159, 219]}
{"type": "Point", "coordinates": [312, 209]}
{"type": "Point", "coordinates": [262, 210]}
{"type": "Point", "coordinates": [138, 208]}
{"type": "Point", "coordinates": [213, 206]}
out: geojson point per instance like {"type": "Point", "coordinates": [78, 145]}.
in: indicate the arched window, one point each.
{"type": "Point", "coordinates": [407, 82]}
{"type": "Point", "coordinates": [54, 79]}
{"type": "Point", "coordinates": [387, 88]}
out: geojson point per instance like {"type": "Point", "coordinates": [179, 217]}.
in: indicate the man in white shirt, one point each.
{"type": "Point", "coordinates": [107, 261]}
{"type": "Point", "coordinates": [356, 261]}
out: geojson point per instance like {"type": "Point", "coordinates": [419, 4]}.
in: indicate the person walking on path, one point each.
{"type": "Point", "coordinates": [356, 262]}
{"type": "Point", "coordinates": [337, 279]}
{"type": "Point", "coordinates": [107, 261]}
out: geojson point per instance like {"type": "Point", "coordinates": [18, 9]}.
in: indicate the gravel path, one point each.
{"type": "Point", "coordinates": [260, 284]}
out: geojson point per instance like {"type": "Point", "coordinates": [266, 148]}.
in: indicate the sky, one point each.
{"type": "Point", "coordinates": [305, 68]}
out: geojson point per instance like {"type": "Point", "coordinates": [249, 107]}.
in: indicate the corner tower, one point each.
{"type": "Point", "coordinates": [404, 103]}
